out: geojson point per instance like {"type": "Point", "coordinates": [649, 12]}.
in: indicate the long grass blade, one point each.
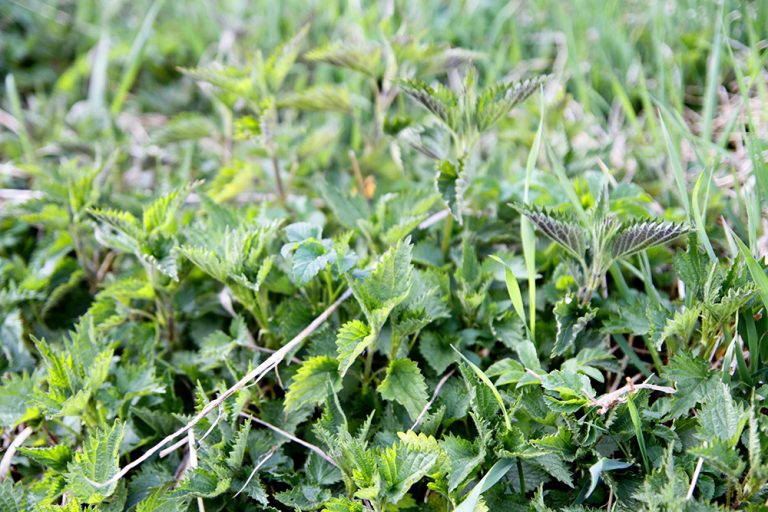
{"type": "Point", "coordinates": [526, 229]}
{"type": "Point", "coordinates": [131, 69]}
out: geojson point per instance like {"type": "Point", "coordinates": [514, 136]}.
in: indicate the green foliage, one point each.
{"type": "Point", "coordinates": [604, 238]}
{"type": "Point", "coordinates": [259, 256]}
{"type": "Point", "coordinates": [98, 462]}
{"type": "Point", "coordinates": [405, 384]}
{"type": "Point", "coordinates": [311, 381]}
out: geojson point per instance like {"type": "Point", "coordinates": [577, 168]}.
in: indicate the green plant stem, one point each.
{"type": "Point", "coordinates": [657, 363]}
{"type": "Point", "coordinates": [631, 354]}
{"type": "Point", "coordinates": [367, 370]}
{"type": "Point", "coordinates": [395, 346]}
{"type": "Point", "coordinates": [447, 229]}
{"type": "Point", "coordinates": [278, 179]}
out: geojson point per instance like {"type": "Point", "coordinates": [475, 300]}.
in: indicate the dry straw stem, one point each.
{"type": "Point", "coordinates": [290, 436]}
{"type": "Point", "coordinates": [431, 400]}
{"type": "Point", "coordinates": [609, 400]}
{"type": "Point", "coordinates": [5, 464]}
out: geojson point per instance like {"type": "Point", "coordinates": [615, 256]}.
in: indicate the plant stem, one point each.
{"type": "Point", "coordinates": [447, 229]}
{"type": "Point", "coordinates": [278, 180]}
{"type": "Point", "coordinates": [657, 363]}
{"type": "Point", "coordinates": [367, 370]}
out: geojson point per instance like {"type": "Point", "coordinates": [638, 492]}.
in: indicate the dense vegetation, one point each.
{"type": "Point", "coordinates": [351, 256]}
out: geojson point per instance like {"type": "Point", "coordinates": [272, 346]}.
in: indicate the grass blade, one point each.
{"type": "Point", "coordinates": [677, 166]}
{"type": "Point", "coordinates": [493, 475]}
{"type": "Point", "coordinates": [570, 191]}
{"type": "Point", "coordinates": [14, 100]}
{"type": "Point", "coordinates": [755, 269]}
{"type": "Point", "coordinates": [134, 58]}
{"type": "Point", "coordinates": [513, 289]}
{"type": "Point", "coordinates": [638, 426]}
{"type": "Point", "coordinates": [484, 378]}
{"type": "Point", "coordinates": [526, 229]}
{"type": "Point", "coordinates": [713, 78]}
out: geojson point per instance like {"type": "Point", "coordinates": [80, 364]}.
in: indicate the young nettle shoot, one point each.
{"type": "Point", "coordinates": [600, 242]}
{"type": "Point", "coordinates": [466, 114]}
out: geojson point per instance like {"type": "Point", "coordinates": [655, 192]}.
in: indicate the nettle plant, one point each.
{"type": "Point", "coordinates": [466, 114]}
{"type": "Point", "coordinates": [330, 347]}
{"type": "Point", "coordinates": [598, 238]}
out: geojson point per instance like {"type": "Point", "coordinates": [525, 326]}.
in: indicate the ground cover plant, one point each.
{"type": "Point", "coordinates": [349, 256]}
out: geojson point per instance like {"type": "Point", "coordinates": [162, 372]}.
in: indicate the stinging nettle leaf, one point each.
{"type": "Point", "coordinates": [451, 185]}
{"type": "Point", "coordinates": [387, 286]}
{"type": "Point", "coordinates": [572, 319]}
{"type": "Point", "coordinates": [464, 457]}
{"type": "Point", "coordinates": [720, 417]}
{"type": "Point", "coordinates": [361, 57]}
{"type": "Point", "coordinates": [491, 387]}
{"type": "Point", "coordinates": [694, 382]}
{"type": "Point", "coordinates": [353, 338]}
{"type": "Point", "coordinates": [405, 385]}
{"type": "Point", "coordinates": [310, 384]}
{"type": "Point", "coordinates": [496, 101]}
{"type": "Point", "coordinates": [439, 100]}
{"type": "Point", "coordinates": [642, 235]}
{"type": "Point", "coordinates": [98, 462]}
{"type": "Point", "coordinates": [321, 98]}
{"type": "Point", "coordinates": [13, 497]}
{"type": "Point", "coordinates": [406, 462]}
{"type": "Point", "coordinates": [559, 228]}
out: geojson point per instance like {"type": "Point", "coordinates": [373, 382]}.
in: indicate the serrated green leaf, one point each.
{"type": "Point", "coordinates": [239, 446]}
{"type": "Point", "coordinates": [283, 58]}
{"type": "Point", "coordinates": [487, 382]}
{"type": "Point", "coordinates": [322, 98]}
{"type": "Point", "coordinates": [567, 233]}
{"type": "Point", "coordinates": [437, 351]}
{"type": "Point", "coordinates": [405, 463]}
{"type": "Point", "coordinates": [363, 58]}
{"type": "Point", "coordinates": [54, 457]}
{"type": "Point", "coordinates": [694, 382]}
{"type": "Point", "coordinates": [13, 498]}
{"type": "Point", "coordinates": [721, 455]}
{"type": "Point", "coordinates": [97, 462]}
{"type": "Point", "coordinates": [161, 501]}
{"type": "Point", "coordinates": [405, 385]}
{"type": "Point", "coordinates": [720, 417]}
{"type": "Point", "coordinates": [160, 215]}
{"type": "Point", "coordinates": [310, 384]}
{"type": "Point", "coordinates": [572, 319]}
{"type": "Point", "coordinates": [464, 457]}
{"type": "Point", "coordinates": [451, 185]}
{"type": "Point", "coordinates": [496, 101]}
{"type": "Point", "coordinates": [639, 236]}
{"type": "Point", "coordinates": [438, 100]}
{"type": "Point", "coordinates": [387, 286]}
{"type": "Point", "coordinates": [353, 338]}
{"type": "Point", "coordinates": [204, 483]}
{"type": "Point", "coordinates": [342, 504]}
{"type": "Point", "coordinates": [348, 210]}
